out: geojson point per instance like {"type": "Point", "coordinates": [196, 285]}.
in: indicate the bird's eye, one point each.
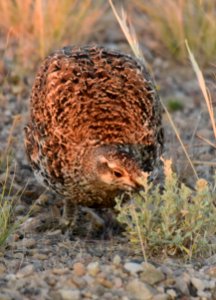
{"type": "Point", "coordinates": [117, 174]}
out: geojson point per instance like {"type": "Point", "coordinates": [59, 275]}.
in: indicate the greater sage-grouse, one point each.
{"type": "Point", "coordinates": [95, 125]}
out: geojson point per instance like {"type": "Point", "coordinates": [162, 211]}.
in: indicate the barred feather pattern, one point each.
{"type": "Point", "coordinates": [89, 98]}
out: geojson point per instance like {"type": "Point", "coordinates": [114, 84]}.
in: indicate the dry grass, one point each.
{"type": "Point", "coordinates": [176, 20]}
{"type": "Point", "coordinates": [128, 31]}
{"type": "Point", "coordinates": [7, 203]}
{"type": "Point", "coordinates": [36, 27]}
{"type": "Point", "coordinates": [8, 194]}
{"type": "Point", "coordinates": [204, 89]}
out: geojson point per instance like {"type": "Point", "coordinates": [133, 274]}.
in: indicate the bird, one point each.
{"type": "Point", "coordinates": [94, 126]}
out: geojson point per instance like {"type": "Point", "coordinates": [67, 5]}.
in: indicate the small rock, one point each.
{"type": "Point", "coordinates": [166, 270]}
{"type": "Point", "coordinates": [28, 243]}
{"type": "Point", "coordinates": [140, 290]}
{"type": "Point", "coordinates": [60, 271]}
{"type": "Point", "coordinates": [51, 280]}
{"type": "Point", "coordinates": [2, 269]}
{"type": "Point", "coordinates": [10, 277]}
{"type": "Point", "coordinates": [107, 296]}
{"type": "Point", "coordinates": [93, 268]}
{"type": "Point", "coordinates": [161, 297]}
{"type": "Point", "coordinates": [89, 279]}
{"type": "Point", "coordinates": [181, 285]}
{"type": "Point", "coordinates": [133, 268]}
{"type": "Point", "coordinates": [25, 271]}
{"type": "Point", "coordinates": [69, 294]}
{"type": "Point", "coordinates": [40, 256]}
{"type": "Point", "coordinates": [151, 274]}
{"type": "Point", "coordinates": [171, 293]}
{"type": "Point", "coordinates": [118, 282]}
{"type": "Point", "coordinates": [198, 283]}
{"type": "Point", "coordinates": [211, 271]}
{"type": "Point", "coordinates": [186, 277]}
{"type": "Point", "coordinates": [211, 260]}
{"type": "Point", "coordinates": [211, 284]}
{"type": "Point", "coordinates": [79, 269]}
{"type": "Point", "coordinates": [117, 260]}
{"type": "Point", "coordinates": [4, 296]}
{"type": "Point", "coordinates": [204, 295]}
{"type": "Point", "coordinates": [78, 282]}
{"type": "Point", "coordinates": [105, 282]}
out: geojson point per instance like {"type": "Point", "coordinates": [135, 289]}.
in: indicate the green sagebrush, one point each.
{"type": "Point", "coordinates": [174, 221]}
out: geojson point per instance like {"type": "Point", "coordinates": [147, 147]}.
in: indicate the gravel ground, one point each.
{"type": "Point", "coordinates": [51, 266]}
{"type": "Point", "coordinates": [46, 264]}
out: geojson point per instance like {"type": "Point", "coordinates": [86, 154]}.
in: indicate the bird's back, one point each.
{"type": "Point", "coordinates": [91, 96]}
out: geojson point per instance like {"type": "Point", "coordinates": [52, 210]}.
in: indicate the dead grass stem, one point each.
{"type": "Point", "coordinates": [203, 88]}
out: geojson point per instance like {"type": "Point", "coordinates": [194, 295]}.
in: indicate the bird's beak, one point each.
{"type": "Point", "coordinates": [141, 180]}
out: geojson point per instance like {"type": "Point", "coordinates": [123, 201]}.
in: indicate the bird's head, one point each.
{"type": "Point", "coordinates": [117, 168]}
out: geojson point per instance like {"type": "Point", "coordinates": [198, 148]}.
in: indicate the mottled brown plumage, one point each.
{"type": "Point", "coordinates": [95, 124]}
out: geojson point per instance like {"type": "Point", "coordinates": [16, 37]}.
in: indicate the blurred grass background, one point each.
{"type": "Point", "coordinates": [37, 27]}
{"type": "Point", "coordinates": [34, 28]}
{"type": "Point", "coordinates": [174, 21]}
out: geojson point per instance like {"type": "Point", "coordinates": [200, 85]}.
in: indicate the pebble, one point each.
{"type": "Point", "coordinates": [79, 269]}
{"type": "Point", "coordinates": [40, 256]}
{"type": "Point", "coordinates": [118, 282]}
{"type": "Point", "coordinates": [69, 294]}
{"type": "Point", "coordinates": [140, 290]}
{"type": "Point", "coordinates": [28, 243]}
{"type": "Point", "coordinates": [211, 271]}
{"type": "Point", "coordinates": [104, 282]}
{"type": "Point", "coordinates": [181, 285]}
{"type": "Point", "coordinates": [61, 271]}
{"type": "Point", "coordinates": [116, 260]}
{"type": "Point", "coordinates": [93, 268]}
{"type": "Point", "coordinates": [172, 293]}
{"type": "Point", "coordinates": [89, 279]}
{"type": "Point", "coordinates": [10, 277]}
{"type": "Point", "coordinates": [133, 268]}
{"type": "Point", "coordinates": [162, 297]}
{"type": "Point", "coordinates": [51, 280]}
{"type": "Point", "coordinates": [5, 296]}
{"type": "Point", "coordinates": [2, 269]}
{"type": "Point", "coordinates": [25, 271]}
{"type": "Point", "coordinates": [151, 274]}
{"type": "Point", "coordinates": [198, 283]}
{"type": "Point", "coordinates": [78, 282]}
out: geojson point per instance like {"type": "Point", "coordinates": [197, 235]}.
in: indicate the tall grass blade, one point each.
{"type": "Point", "coordinates": [203, 87]}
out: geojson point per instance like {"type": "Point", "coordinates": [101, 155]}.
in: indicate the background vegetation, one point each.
{"type": "Point", "coordinates": [176, 21]}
